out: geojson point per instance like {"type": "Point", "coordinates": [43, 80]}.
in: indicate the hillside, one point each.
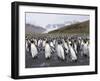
{"type": "Point", "coordinates": [78, 28]}
{"type": "Point", "coordinates": [33, 29]}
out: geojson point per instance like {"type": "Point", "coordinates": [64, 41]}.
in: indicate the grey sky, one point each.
{"type": "Point", "coordinates": [43, 20]}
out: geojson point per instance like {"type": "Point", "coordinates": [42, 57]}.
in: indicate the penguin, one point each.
{"type": "Point", "coordinates": [82, 47]}
{"type": "Point", "coordinates": [39, 42]}
{"type": "Point", "coordinates": [35, 41]}
{"type": "Point", "coordinates": [51, 44]}
{"type": "Point", "coordinates": [75, 47]}
{"type": "Point", "coordinates": [47, 50]}
{"type": "Point", "coordinates": [39, 45]}
{"type": "Point", "coordinates": [65, 45]}
{"type": "Point", "coordinates": [54, 42]}
{"type": "Point", "coordinates": [72, 53]}
{"type": "Point", "coordinates": [29, 45]}
{"type": "Point", "coordinates": [60, 51]}
{"type": "Point", "coordinates": [43, 44]}
{"type": "Point", "coordinates": [85, 49]}
{"type": "Point", "coordinates": [34, 51]}
{"type": "Point", "coordinates": [52, 47]}
{"type": "Point", "coordinates": [26, 46]}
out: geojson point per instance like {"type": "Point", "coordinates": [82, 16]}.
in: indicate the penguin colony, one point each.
{"type": "Point", "coordinates": [61, 46]}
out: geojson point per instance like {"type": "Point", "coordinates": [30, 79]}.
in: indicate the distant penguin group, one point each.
{"type": "Point", "coordinates": [60, 47]}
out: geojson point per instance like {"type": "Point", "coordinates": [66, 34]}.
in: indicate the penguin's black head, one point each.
{"type": "Point", "coordinates": [59, 42]}
{"type": "Point", "coordinates": [47, 41]}
{"type": "Point", "coordinates": [70, 44]}
{"type": "Point", "coordinates": [32, 41]}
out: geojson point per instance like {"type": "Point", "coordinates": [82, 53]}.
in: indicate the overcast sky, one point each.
{"type": "Point", "coordinates": [43, 20]}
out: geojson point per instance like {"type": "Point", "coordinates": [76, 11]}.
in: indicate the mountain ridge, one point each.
{"type": "Point", "coordinates": [77, 28]}
{"type": "Point", "coordinates": [33, 29]}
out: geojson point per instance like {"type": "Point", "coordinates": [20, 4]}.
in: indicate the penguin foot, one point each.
{"type": "Point", "coordinates": [74, 60]}
{"type": "Point", "coordinates": [85, 55]}
{"type": "Point", "coordinates": [47, 58]}
{"type": "Point", "coordinates": [63, 59]}
{"type": "Point", "coordinates": [35, 57]}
